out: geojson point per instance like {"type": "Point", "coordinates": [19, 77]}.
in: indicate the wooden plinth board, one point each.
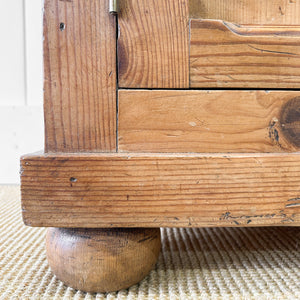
{"type": "Point", "coordinates": [175, 190]}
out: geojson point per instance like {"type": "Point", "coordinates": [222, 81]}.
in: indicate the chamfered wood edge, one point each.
{"type": "Point", "coordinates": [41, 155]}
{"type": "Point", "coordinates": [48, 202]}
{"type": "Point", "coordinates": [258, 57]}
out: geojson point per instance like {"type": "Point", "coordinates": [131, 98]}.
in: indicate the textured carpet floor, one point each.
{"type": "Point", "coordinates": [214, 263]}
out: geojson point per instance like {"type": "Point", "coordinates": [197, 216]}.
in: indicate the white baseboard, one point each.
{"type": "Point", "coordinates": [21, 132]}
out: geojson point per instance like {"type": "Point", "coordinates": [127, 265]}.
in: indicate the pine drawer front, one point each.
{"type": "Point", "coordinates": [235, 44]}
{"type": "Point", "coordinates": [209, 121]}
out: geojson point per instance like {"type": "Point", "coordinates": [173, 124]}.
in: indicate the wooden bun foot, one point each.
{"type": "Point", "coordinates": [102, 260]}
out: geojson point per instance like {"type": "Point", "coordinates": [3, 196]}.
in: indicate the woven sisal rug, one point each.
{"type": "Point", "coordinates": [205, 263]}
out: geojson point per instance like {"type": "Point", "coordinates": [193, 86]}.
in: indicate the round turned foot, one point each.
{"type": "Point", "coordinates": [102, 260]}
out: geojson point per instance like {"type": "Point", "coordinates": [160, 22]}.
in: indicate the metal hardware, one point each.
{"type": "Point", "coordinates": [113, 7]}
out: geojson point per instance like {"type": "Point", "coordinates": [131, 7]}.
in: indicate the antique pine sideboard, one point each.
{"type": "Point", "coordinates": [170, 113]}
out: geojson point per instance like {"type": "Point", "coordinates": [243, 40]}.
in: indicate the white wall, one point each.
{"type": "Point", "coordinates": [21, 99]}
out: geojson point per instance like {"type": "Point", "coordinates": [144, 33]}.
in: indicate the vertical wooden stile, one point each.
{"type": "Point", "coordinates": [153, 44]}
{"type": "Point", "coordinates": [80, 76]}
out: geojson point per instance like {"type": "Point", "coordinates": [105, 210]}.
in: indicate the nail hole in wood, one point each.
{"type": "Point", "coordinates": [62, 26]}
{"type": "Point", "coordinates": [73, 179]}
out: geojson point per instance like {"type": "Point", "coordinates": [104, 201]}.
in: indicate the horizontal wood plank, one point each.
{"type": "Point", "coordinates": [156, 190]}
{"type": "Point", "coordinates": [209, 121]}
{"type": "Point", "coordinates": [153, 44]}
{"type": "Point", "coordinates": [247, 12]}
{"type": "Point", "coordinates": [80, 76]}
{"type": "Point", "coordinates": [226, 55]}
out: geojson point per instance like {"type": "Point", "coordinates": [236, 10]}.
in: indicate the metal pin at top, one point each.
{"type": "Point", "coordinates": [113, 7]}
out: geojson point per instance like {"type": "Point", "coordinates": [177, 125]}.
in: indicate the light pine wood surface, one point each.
{"type": "Point", "coordinates": [208, 121]}
{"type": "Point", "coordinates": [174, 190]}
{"type": "Point", "coordinates": [227, 55]}
{"type": "Point", "coordinates": [157, 46]}
{"type": "Point", "coordinates": [80, 76]}
{"type": "Point", "coordinates": [260, 12]}
{"type": "Point", "coordinates": [153, 44]}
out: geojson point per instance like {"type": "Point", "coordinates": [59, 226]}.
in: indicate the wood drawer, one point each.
{"type": "Point", "coordinates": [159, 49]}
{"type": "Point", "coordinates": [208, 121]}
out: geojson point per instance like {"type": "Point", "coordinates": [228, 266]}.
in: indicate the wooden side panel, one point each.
{"type": "Point", "coordinates": [248, 11]}
{"type": "Point", "coordinates": [209, 121]}
{"type": "Point", "coordinates": [103, 190]}
{"type": "Point", "coordinates": [227, 55]}
{"type": "Point", "coordinates": [153, 44]}
{"type": "Point", "coordinates": [80, 76]}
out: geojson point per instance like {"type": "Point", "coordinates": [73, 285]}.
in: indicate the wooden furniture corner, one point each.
{"type": "Point", "coordinates": [169, 113]}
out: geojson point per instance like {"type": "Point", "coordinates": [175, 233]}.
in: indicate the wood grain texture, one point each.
{"type": "Point", "coordinates": [102, 260]}
{"type": "Point", "coordinates": [174, 190]}
{"type": "Point", "coordinates": [80, 76]}
{"type": "Point", "coordinates": [153, 44]}
{"type": "Point", "coordinates": [248, 12]}
{"type": "Point", "coordinates": [227, 55]}
{"type": "Point", "coordinates": [209, 121]}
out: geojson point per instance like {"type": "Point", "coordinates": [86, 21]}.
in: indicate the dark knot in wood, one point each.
{"type": "Point", "coordinates": [290, 121]}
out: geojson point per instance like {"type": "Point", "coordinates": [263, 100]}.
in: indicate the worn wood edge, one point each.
{"type": "Point", "coordinates": [34, 218]}
{"type": "Point", "coordinates": [40, 155]}
{"type": "Point", "coordinates": [271, 31]}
